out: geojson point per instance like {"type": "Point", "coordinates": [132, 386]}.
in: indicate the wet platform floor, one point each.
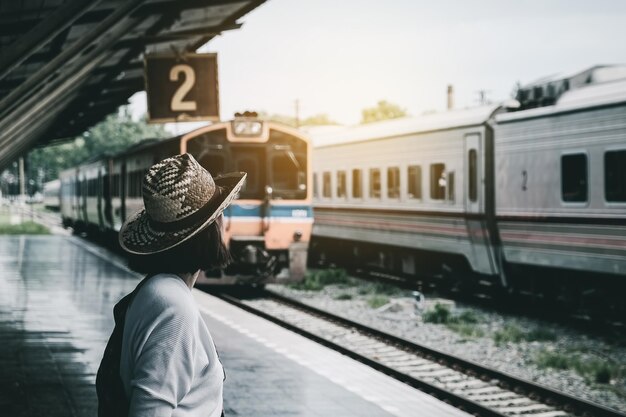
{"type": "Point", "coordinates": [56, 300]}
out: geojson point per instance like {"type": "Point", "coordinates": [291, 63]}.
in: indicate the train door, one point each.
{"type": "Point", "coordinates": [474, 196]}
{"type": "Point", "coordinates": [474, 173]}
{"type": "Point", "coordinates": [107, 195]}
{"type": "Point", "coordinates": [123, 182]}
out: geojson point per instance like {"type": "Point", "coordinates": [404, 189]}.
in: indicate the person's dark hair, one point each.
{"type": "Point", "coordinates": [206, 251]}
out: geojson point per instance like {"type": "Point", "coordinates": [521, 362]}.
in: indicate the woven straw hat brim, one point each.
{"type": "Point", "coordinates": [138, 237]}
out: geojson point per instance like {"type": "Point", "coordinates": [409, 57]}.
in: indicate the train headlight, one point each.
{"type": "Point", "coordinates": [297, 235]}
{"type": "Point", "coordinates": [247, 128]}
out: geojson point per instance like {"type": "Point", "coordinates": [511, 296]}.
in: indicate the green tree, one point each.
{"type": "Point", "coordinates": [382, 111]}
{"type": "Point", "coordinates": [113, 134]}
{"type": "Point", "coordinates": [315, 120]}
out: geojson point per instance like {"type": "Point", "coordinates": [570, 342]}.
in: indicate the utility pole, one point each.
{"type": "Point", "coordinates": [297, 106]}
{"type": "Point", "coordinates": [22, 180]}
{"type": "Point", "coordinates": [482, 97]}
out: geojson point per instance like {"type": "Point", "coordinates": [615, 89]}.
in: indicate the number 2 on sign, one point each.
{"type": "Point", "coordinates": [189, 80]}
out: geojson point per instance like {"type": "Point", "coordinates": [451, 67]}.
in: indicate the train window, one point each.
{"type": "Point", "coordinates": [251, 188]}
{"type": "Point", "coordinates": [437, 181]}
{"type": "Point", "coordinates": [472, 175]}
{"type": "Point", "coordinates": [135, 184]}
{"type": "Point", "coordinates": [115, 191]}
{"type": "Point", "coordinates": [341, 184]}
{"type": "Point", "coordinates": [393, 182]}
{"type": "Point", "coordinates": [357, 184]}
{"type": "Point", "coordinates": [615, 176]}
{"type": "Point", "coordinates": [207, 143]}
{"type": "Point", "coordinates": [214, 163]}
{"type": "Point", "coordinates": [288, 175]}
{"type": "Point", "coordinates": [415, 181]}
{"type": "Point", "coordinates": [450, 185]}
{"type": "Point", "coordinates": [375, 183]}
{"type": "Point", "coordinates": [106, 186]}
{"type": "Point", "coordinates": [574, 178]}
{"type": "Point", "coordinates": [315, 187]}
{"type": "Point", "coordinates": [326, 185]}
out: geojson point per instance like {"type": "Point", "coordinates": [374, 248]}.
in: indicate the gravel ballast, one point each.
{"type": "Point", "coordinates": [563, 358]}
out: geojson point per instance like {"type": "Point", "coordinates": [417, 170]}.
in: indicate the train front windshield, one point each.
{"type": "Point", "coordinates": [280, 163]}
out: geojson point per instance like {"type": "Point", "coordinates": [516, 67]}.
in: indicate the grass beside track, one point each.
{"type": "Point", "coordinates": [26, 227]}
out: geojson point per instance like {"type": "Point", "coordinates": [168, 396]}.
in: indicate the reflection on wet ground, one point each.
{"type": "Point", "coordinates": [56, 304]}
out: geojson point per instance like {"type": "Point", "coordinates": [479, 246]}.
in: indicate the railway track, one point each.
{"type": "Point", "coordinates": [469, 386]}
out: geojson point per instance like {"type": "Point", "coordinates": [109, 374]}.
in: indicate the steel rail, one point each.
{"type": "Point", "coordinates": [458, 401]}
{"type": "Point", "coordinates": [537, 392]}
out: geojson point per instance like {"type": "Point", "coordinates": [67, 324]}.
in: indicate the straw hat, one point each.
{"type": "Point", "coordinates": [181, 199]}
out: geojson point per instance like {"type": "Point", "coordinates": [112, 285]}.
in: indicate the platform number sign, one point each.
{"type": "Point", "coordinates": [182, 87]}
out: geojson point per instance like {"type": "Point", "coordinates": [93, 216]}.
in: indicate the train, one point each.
{"type": "Point", "coordinates": [526, 196]}
{"type": "Point", "coordinates": [267, 228]}
{"type": "Point", "coordinates": [51, 190]}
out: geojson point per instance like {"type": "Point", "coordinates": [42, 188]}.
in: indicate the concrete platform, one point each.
{"type": "Point", "coordinates": [56, 299]}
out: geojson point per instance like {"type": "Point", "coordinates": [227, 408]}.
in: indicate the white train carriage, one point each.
{"type": "Point", "coordinates": [533, 195]}
{"type": "Point", "coordinates": [409, 195]}
{"type": "Point", "coordinates": [68, 197]}
{"type": "Point", "coordinates": [561, 180]}
{"type": "Point", "coordinates": [51, 195]}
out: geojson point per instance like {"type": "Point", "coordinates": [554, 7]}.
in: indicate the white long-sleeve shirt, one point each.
{"type": "Point", "coordinates": [169, 365]}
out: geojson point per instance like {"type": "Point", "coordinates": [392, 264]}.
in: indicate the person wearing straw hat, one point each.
{"type": "Point", "coordinates": [161, 359]}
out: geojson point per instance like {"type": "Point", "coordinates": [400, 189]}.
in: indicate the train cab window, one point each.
{"type": "Point", "coordinates": [357, 184]}
{"type": "Point", "coordinates": [615, 176]}
{"type": "Point", "coordinates": [341, 184]}
{"type": "Point", "coordinates": [374, 183]}
{"type": "Point", "coordinates": [326, 185]}
{"type": "Point", "coordinates": [288, 175]}
{"type": "Point", "coordinates": [414, 174]}
{"type": "Point", "coordinates": [393, 182]}
{"type": "Point", "coordinates": [574, 178]}
{"type": "Point", "coordinates": [214, 163]}
{"type": "Point", "coordinates": [251, 188]}
{"type": "Point", "coordinates": [472, 175]}
{"type": "Point", "coordinates": [438, 181]}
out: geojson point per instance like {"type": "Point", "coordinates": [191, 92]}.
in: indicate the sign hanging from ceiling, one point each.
{"type": "Point", "coordinates": [182, 88]}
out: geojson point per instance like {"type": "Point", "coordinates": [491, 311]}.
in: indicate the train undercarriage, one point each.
{"type": "Point", "coordinates": [568, 291]}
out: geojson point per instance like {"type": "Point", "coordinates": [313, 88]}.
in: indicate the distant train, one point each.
{"type": "Point", "coordinates": [267, 228]}
{"type": "Point", "coordinates": [527, 197]}
{"type": "Point", "coordinates": [51, 191]}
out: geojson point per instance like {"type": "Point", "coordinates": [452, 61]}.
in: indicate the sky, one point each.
{"type": "Point", "coordinates": [338, 57]}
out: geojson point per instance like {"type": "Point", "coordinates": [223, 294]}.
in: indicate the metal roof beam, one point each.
{"type": "Point", "coordinates": [175, 36]}
{"type": "Point", "coordinates": [72, 52]}
{"type": "Point", "coordinates": [51, 26]}
{"type": "Point", "coordinates": [108, 68]}
{"type": "Point", "coordinates": [44, 100]}
{"type": "Point", "coordinates": [175, 6]}
{"type": "Point", "coordinates": [13, 26]}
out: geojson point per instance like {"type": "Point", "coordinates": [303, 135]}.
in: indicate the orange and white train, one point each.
{"type": "Point", "coordinates": [267, 228]}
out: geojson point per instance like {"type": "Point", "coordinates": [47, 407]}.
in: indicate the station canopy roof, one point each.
{"type": "Point", "coordinates": [66, 64]}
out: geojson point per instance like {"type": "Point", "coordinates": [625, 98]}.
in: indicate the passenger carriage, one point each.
{"type": "Point", "coordinates": [410, 195]}
{"type": "Point", "coordinates": [561, 178]}
{"type": "Point", "coordinates": [529, 196]}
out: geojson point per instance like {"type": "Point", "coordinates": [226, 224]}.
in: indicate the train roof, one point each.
{"type": "Point", "coordinates": [607, 93]}
{"type": "Point", "coordinates": [340, 135]}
